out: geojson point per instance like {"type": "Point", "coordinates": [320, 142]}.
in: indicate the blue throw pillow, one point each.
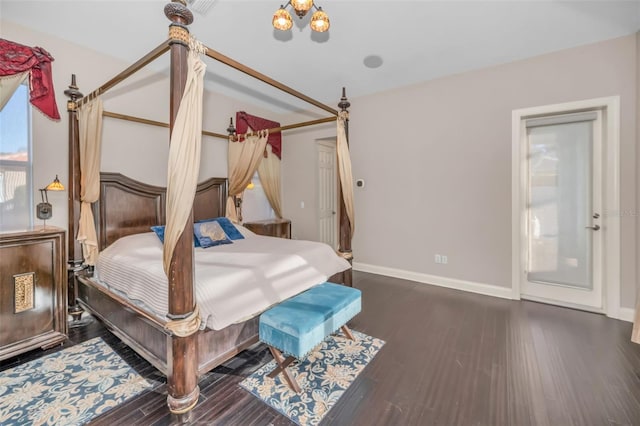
{"type": "Point", "coordinates": [159, 230]}
{"type": "Point", "coordinates": [210, 234]}
{"type": "Point", "coordinates": [227, 226]}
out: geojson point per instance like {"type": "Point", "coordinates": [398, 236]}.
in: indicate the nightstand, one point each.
{"type": "Point", "coordinates": [33, 290]}
{"type": "Point", "coordinates": [270, 227]}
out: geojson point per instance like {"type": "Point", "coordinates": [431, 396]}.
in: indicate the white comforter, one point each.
{"type": "Point", "coordinates": [233, 281]}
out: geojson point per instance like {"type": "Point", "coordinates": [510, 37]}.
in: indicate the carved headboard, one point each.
{"type": "Point", "coordinates": [127, 206]}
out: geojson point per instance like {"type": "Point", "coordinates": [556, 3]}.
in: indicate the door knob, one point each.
{"type": "Point", "coordinates": [595, 227]}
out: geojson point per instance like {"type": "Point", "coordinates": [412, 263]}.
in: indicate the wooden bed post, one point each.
{"type": "Point", "coordinates": [183, 390]}
{"type": "Point", "coordinates": [345, 225]}
{"type": "Point", "coordinates": [75, 258]}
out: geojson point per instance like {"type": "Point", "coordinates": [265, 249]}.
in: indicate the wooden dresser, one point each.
{"type": "Point", "coordinates": [270, 227]}
{"type": "Point", "coordinates": [33, 290]}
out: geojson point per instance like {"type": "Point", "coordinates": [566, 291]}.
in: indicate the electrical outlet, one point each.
{"type": "Point", "coordinates": [444, 259]}
{"type": "Point", "coordinates": [438, 258]}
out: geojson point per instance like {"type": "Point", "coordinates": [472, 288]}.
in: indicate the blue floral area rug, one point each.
{"type": "Point", "coordinates": [69, 387]}
{"type": "Point", "coordinates": [323, 377]}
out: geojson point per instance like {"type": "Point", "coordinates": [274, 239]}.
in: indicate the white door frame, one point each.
{"type": "Point", "coordinates": [611, 200]}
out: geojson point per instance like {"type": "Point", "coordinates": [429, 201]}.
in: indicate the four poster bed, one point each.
{"type": "Point", "coordinates": [176, 341]}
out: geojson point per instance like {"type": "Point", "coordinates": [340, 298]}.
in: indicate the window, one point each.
{"type": "Point", "coordinates": [255, 205]}
{"type": "Point", "coordinates": [15, 162]}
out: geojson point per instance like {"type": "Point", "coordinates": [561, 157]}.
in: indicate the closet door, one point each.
{"type": "Point", "coordinates": [327, 193]}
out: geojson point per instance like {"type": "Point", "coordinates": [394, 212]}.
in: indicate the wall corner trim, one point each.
{"type": "Point", "coordinates": [469, 286]}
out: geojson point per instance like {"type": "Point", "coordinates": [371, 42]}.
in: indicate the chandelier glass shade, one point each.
{"type": "Point", "coordinates": [319, 21]}
{"type": "Point", "coordinates": [301, 6]}
{"type": "Point", "coordinates": [282, 18]}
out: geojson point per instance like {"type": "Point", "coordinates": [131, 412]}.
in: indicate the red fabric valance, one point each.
{"type": "Point", "coordinates": [245, 121]}
{"type": "Point", "coordinates": [16, 58]}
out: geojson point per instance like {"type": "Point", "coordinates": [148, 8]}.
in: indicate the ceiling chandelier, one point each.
{"type": "Point", "coordinates": [282, 18]}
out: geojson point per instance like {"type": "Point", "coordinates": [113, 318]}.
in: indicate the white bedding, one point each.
{"type": "Point", "coordinates": [233, 281]}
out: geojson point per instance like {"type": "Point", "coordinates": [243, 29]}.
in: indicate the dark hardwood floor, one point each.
{"type": "Point", "coordinates": [451, 358]}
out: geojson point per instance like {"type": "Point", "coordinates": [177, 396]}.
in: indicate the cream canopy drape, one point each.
{"type": "Point", "coordinates": [184, 154]}
{"type": "Point", "coordinates": [90, 129]}
{"type": "Point", "coordinates": [635, 335]}
{"type": "Point", "coordinates": [8, 85]}
{"type": "Point", "coordinates": [243, 160]}
{"type": "Point", "coordinates": [344, 168]}
{"type": "Point", "coordinates": [269, 173]}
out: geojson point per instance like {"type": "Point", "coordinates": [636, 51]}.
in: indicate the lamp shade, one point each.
{"type": "Point", "coordinates": [282, 20]}
{"type": "Point", "coordinates": [302, 6]}
{"type": "Point", "coordinates": [320, 21]}
{"type": "Point", "coordinates": [56, 185]}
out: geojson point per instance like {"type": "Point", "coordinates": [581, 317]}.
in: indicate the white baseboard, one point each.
{"type": "Point", "coordinates": [626, 314]}
{"type": "Point", "coordinates": [472, 287]}
{"type": "Point", "coordinates": [623, 314]}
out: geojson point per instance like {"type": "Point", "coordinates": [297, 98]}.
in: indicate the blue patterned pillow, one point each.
{"type": "Point", "coordinates": [227, 226]}
{"type": "Point", "coordinates": [159, 230]}
{"type": "Point", "coordinates": [210, 234]}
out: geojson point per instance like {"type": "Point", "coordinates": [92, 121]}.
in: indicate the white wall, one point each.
{"type": "Point", "coordinates": [444, 179]}
{"type": "Point", "coordinates": [136, 150]}
{"type": "Point", "coordinates": [436, 158]}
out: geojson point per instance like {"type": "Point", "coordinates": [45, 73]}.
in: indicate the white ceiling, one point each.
{"type": "Point", "coordinates": [417, 40]}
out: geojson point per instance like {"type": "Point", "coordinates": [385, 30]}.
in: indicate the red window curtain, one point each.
{"type": "Point", "coordinates": [245, 121]}
{"type": "Point", "coordinates": [16, 58]}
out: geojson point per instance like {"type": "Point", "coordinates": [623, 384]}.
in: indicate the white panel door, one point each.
{"type": "Point", "coordinates": [564, 207]}
{"type": "Point", "coordinates": [327, 194]}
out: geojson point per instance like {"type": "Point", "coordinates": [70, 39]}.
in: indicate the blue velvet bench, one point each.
{"type": "Point", "coordinates": [297, 325]}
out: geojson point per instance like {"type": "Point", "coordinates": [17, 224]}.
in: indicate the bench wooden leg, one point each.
{"type": "Point", "coordinates": [283, 363]}
{"type": "Point", "coordinates": [348, 332]}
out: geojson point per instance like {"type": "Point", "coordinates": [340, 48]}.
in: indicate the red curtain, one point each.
{"type": "Point", "coordinates": [16, 58]}
{"type": "Point", "coordinates": [244, 121]}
